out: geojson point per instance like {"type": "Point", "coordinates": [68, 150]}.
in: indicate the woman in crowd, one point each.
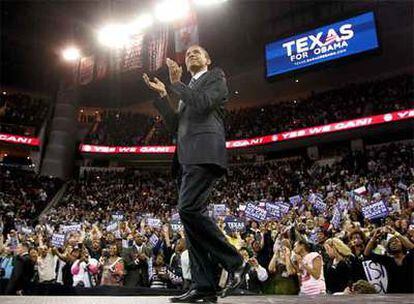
{"type": "Point", "coordinates": [285, 280]}
{"type": "Point", "coordinates": [112, 267]}
{"type": "Point", "coordinates": [309, 267]}
{"type": "Point", "coordinates": [160, 275]}
{"type": "Point", "coordinates": [338, 273]}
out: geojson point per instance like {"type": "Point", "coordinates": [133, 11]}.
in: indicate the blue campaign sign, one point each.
{"type": "Point", "coordinates": [375, 210]}
{"type": "Point", "coordinates": [234, 224]}
{"type": "Point", "coordinates": [348, 37]}
{"type": "Point", "coordinates": [255, 213]}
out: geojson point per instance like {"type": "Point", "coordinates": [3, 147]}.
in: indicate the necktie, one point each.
{"type": "Point", "coordinates": [181, 104]}
{"type": "Point", "coordinates": [192, 83]}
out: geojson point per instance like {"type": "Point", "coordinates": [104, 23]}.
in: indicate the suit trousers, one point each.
{"type": "Point", "coordinates": [207, 245]}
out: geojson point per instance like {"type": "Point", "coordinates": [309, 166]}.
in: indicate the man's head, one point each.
{"type": "Point", "coordinates": [244, 252]}
{"type": "Point", "coordinates": [181, 246]}
{"type": "Point", "coordinates": [196, 59]}
{"type": "Point", "coordinates": [139, 239]}
{"type": "Point", "coordinates": [394, 246]}
{"type": "Point", "coordinates": [22, 248]}
{"type": "Point", "coordinates": [43, 251]}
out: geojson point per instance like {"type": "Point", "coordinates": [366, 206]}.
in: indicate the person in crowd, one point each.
{"type": "Point", "coordinates": [400, 262]}
{"type": "Point", "coordinates": [46, 265]}
{"type": "Point", "coordinates": [23, 271]}
{"type": "Point", "coordinates": [160, 275]}
{"type": "Point", "coordinates": [136, 260]}
{"type": "Point", "coordinates": [338, 273]}
{"type": "Point", "coordinates": [360, 287]}
{"type": "Point", "coordinates": [285, 280]}
{"type": "Point", "coordinates": [256, 275]}
{"type": "Point", "coordinates": [357, 246]}
{"type": "Point", "coordinates": [309, 267]}
{"type": "Point", "coordinates": [113, 267]}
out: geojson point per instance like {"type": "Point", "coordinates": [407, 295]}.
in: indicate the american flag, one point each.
{"type": "Point", "coordinates": [331, 38]}
{"type": "Point", "coordinates": [157, 48]}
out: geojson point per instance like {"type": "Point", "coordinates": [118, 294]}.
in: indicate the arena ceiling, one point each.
{"type": "Point", "coordinates": [34, 32]}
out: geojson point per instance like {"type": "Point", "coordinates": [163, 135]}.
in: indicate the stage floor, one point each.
{"type": "Point", "coordinates": [360, 299]}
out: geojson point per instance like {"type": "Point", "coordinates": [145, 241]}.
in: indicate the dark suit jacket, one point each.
{"type": "Point", "coordinates": [22, 274]}
{"type": "Point", "coordinates": [200, 124]}
{"type": "Point", "coordinates": [137, 273]}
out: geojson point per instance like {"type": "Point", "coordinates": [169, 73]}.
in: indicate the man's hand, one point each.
{"type": "Point", "coordinates": [156, 85]}
{"type": "Point", "coordinates": [175, 71]}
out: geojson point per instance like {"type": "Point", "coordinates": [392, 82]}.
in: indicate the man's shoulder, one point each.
{"type": "Point", "coordinates": [216, 72]}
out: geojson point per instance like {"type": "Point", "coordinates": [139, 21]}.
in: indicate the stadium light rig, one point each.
{"type": "Point", "coordinates": [208, 2]}
{"type": "Point", "coordinates": [172, 10]}
{"type": "Point", "coordinates": [140, 23]}
{"type": "Point", "coordinates": [71, 54]}
{"type": "Point", "coordinates": [119, 35]}
{"type": "Point", "coordinates": [114, 35]}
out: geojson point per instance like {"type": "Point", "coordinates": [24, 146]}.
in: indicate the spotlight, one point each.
{"type": "Point", "coordinates": [171, 10]}
{"type": "Point", "coordinates": [114, 35]}
{"type": "Point", "coordinates": [208, 2]}
{"type": "Point", "coordinates": [71, 54]}
{"type": "Point", "coordinates": [142, 22]}
{"type": "Point", "coordinates": [296, 80]}
{"type": "Point", "coordinates": [4, 93]}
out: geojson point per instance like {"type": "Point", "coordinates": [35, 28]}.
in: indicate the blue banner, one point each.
{"type": "Point", "coordinates": [234, 224]}
{"type": "Point", "coordinates": [375, 210]}
{"type": "Point", "coordinates": [295, 200]}
{"type": "Point", "coordinates": [273, 211]}
{"type": "Point", "coordinates": [255, 213]}
{"type": "Point", "coordinates": [340, 39]}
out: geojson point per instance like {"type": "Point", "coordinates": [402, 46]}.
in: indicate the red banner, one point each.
{"type": "Point", "coordinates": [306, 132]}
{"type": "Point", "coordinates": [133, 56]}
{"type": "Point", "coordinates": [86, 70]}
{"type": "Point", "coordinates": [249, 142]}
{"type": "Point", "coordinates": [17, 139]}
{"type": "Point", "coordinates": [134, 150]}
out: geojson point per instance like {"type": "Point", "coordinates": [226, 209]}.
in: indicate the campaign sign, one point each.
{"type": "Point", "coordinates": [118, 216]}
{"type": "Point", "coordinates": [336, 219]}
{"type": "Point", "coordinates": [385, 191]}
{"type": "Point", "coordinates": [273, 211]}
{"type": "Point", "coordinates": [175, 216]}
{"type": "Point", "coordinates": [234, 224]}
{"type": "Point", "coordinates": [219, 210]}
{"type": "Point", "coordinates": [295, 200]}
{"type": "Point", "coordinates": [58, 240]}
{"type": "Point", "coordinates": [319, 204]}
{"type": "Point", "coordinates": [26, 230]}
{"type": "Point", "coordinates": [375, 210]}
{"type": "Point", "coordinates": [112, 226]}
{"type": "Point", "coordinates": [376, 275]}
{"type": "Point", "coordinates": [154, 222]}
{"type": "Point", "coordinates": [283, 207]}
{"type": "Point", "coordinates": [348, 37]}
{"type": "Point", "coordinates": [70, 228]}
{"type": "Point", "coordinates": [153, 240]}
{"type": "Point", "coordinates": [176, 225]}
{"type": "Point", "coordinates": [255, 213]}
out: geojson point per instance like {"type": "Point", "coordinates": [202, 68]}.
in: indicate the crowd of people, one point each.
{"type": "Point", "coordinates": [22, 114]}
{"type": "Point", "coordinates": [119, 128]}
{"type": "Point", "coordinates": [23, 194]}
{"type": "Point", "coordinates": [348, 102]}
{"type": "Point", "coordinates": [120, 228]}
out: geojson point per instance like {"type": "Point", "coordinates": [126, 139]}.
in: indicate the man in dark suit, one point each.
{"type": "Point", "coordinates": [23, 271]}
{"type": "Point", "coordinates": [201, 159]}
{"type": "Point", "coordinates": [136, 263]}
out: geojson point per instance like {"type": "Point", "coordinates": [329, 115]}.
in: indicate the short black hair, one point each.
{"type": "Point", "coordinates": [305, 244]}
